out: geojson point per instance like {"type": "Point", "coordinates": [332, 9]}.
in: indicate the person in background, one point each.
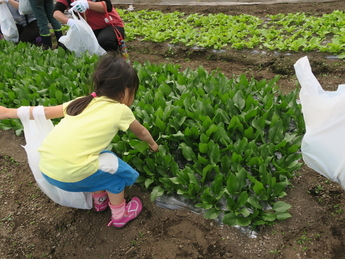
{"type": "Point", "coordinates": [72, 156]}
{"type": "Point", "coordinates": [95, 15]}
{"type": "Point", "coordinates": [43, 11]}
{"type": "Point", "coordinates": [26, 24]}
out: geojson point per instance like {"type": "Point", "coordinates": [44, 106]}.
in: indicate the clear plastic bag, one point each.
{"type": "Point", "coordinates": [25, 7]}
{"type": "Point", "coordinates": [323, 145]}
{"type": "Point", "coordinates": [174, 202]}
{"type": "Point", "coordinates": [7, 24]}
{"type": "Point", "coordinates": [80, 38]}
{"type": "Point", "coordinates": [35, 131]}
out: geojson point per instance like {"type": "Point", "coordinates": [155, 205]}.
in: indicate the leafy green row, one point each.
{"type": "Point", "coordinates": [282, 32]}
{"type": "Point", "coordinates": [31, 76]}
{"type": "Point", "coordinates": [229, 145]}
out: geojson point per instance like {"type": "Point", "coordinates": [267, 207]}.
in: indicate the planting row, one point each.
{"type": "Point", "coordinates": [283, 32]}
{"type": "Point", "coordinates": [228, 145]}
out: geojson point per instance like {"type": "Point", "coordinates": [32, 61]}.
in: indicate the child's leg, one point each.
{"type": "Point", "coordinates": [116, 199]}
{"type": "Point", "coordinates": [121, 212]}
{"type": "Point", "coordinates": [100, 200]}
{"type": "Point", "coordinates": [117, 205]}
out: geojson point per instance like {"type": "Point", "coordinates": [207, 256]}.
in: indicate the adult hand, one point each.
{"type": "Point", "coordinates": [80, 6]}
{"type": "Point", "coordinates": [71, 23]}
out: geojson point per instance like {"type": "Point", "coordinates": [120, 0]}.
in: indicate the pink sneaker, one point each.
{"type": "Point", "coordinates": [132, 210]}
{"type": "Point", "coordinates": [100, 201]}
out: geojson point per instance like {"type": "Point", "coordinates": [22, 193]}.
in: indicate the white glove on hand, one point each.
{"type": "Point", "coordinates": [71, 23]}
{"type": "Point", "coordinates": [80, 6]}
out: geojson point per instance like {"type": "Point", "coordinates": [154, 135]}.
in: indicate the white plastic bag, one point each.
{"type": "Point", "coordinates": [35, 131]}
{"type": "Point", "coordinates": [323, 145]}
{"type": "Point", "coordinates": [80, 38]}
{"type": "Point", "coordinates": [25, 7]}
{"type": "Point", "coordinates": [7, 24]}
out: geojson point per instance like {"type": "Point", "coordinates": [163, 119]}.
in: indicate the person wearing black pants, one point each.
{"type": "Point", "coordinates": [99, 14]}
{"type": "Point", "coordinates": [26, 24]}
{"type": "Point", "coordinates": [29, 33]}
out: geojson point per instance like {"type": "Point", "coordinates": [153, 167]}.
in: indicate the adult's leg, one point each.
{"type": "Point", "coordinates": [20, 28]}
{"type": "Point", "coordinates": [42, 21]}
{"type": "Point", "coordinates": [30, 33]}
{"type": "Point", "coordinates": [107, 38]}
{"type": "Point", "coordinates": [49, 9]}
{"type": "Point", "coordinates": [40, 14]}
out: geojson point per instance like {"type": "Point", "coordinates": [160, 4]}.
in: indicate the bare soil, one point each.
{"type": "Point", "coordinates": [32, 226]}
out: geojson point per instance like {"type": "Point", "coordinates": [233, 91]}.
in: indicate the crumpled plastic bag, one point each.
{"type": "Point", "coordinates": [35, 131]}
{"type": "Point", "coordinates": [8, 25]}
{"type": "Point", "coordinates": [25, 7]}
{"type": "Point", "coordinates": [80, 38]}
{"type": "Point", "coordinates": [323, 145]}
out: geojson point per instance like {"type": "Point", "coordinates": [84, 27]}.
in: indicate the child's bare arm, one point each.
{"type": "Point", "coordinates": [50, 112]}
{"type": "Point", "coordinates": [143, 134]}
{"type": "Point", "coordinates": [8, 113]}
{"type": "Point", "coordinates": [53, 112]}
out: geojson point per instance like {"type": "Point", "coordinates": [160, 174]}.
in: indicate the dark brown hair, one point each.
{"type": "Point", "coordinates": [111, 77]}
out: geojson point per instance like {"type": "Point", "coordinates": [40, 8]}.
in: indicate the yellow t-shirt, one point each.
{"type": "Point", "coordinates": [70, 151]}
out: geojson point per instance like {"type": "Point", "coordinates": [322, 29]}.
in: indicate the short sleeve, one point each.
{"type": "Point", "coordinates": [64, 107]}
{"type": "Point", "coordinates": [61, 5]}
{"type": "Point", "coordinates": [127, 117]}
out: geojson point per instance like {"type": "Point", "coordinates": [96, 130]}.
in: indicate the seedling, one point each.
{"type": "Point", "coordinates": [318, 189]}
{"type": "Point", "coordinates": [338, 210]}
{"type": "Point", "coordinates": [275, 251]}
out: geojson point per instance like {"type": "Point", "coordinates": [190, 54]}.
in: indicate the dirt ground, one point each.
{"type": "Point", "coordinates": [32, 226]}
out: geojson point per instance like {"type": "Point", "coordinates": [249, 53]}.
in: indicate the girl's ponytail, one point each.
{"type": "Point", "coordinates": [78, 105]}
{"type": "Point", "coordinates": [110, 79]}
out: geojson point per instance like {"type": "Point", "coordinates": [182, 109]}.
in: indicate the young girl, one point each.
{"type": "Point", "coordinates": [72, 156]}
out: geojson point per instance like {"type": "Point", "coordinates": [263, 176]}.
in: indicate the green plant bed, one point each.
{"type": "Point", "coordinates": [282, 32]}
{"type": "Point", "coordinates": [229, 145]}
{"type": "Point", "coordinates": [32, 76]}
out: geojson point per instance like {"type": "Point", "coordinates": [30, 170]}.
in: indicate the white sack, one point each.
{"type": "Point", "coordinates": [25, 7]}
{"type": "Point", "coordinates": [35, 131]}
{"type": "Point", "coordinates": [80, 38]}
{"type": "Point", "coordinates": [323, 145]}
{"type": "Point", "coordinates": [7, 24]}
